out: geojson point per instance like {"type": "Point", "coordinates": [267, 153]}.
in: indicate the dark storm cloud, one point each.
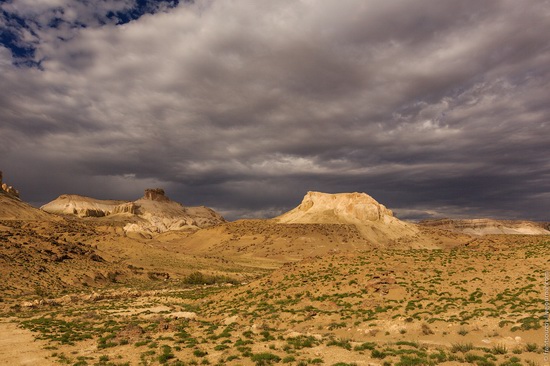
{"type": "Point", "coordinates": [434, 108]}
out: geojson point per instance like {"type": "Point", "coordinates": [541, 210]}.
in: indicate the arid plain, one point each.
{"type": "Point", "coordinates": [339, 280]}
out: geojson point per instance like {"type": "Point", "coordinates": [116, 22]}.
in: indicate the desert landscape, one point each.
{"type": "Point", "coordinates": [289, 182]}
{"type": "Point", "coordinates": [339, 280]}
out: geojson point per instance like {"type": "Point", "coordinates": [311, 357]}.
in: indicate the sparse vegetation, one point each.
{"type": "Point", "coordinates": [368, 305]}
{"type": "Point", "coordinates": [198, 278]}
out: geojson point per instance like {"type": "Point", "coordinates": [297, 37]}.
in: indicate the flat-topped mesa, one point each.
{"type": "Point", "coordinates": [156, 194]}
{"type": "Point", "coordinates": [372, 219]}
{"type": "Point", "coordinates": [351, 208]}
{"type": "Point", "coordinates": [359, 206]}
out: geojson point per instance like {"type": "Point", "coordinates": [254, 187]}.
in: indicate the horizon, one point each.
{"type": "Point", "coordinates": [436, 110]}
{"type": "Point", "coordinates": [231, 219]}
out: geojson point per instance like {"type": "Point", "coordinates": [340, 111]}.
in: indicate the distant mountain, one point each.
{"type": "Point", "coordinates": [152, 214]}
{"type": "Point", "coordinates": [490, 226]}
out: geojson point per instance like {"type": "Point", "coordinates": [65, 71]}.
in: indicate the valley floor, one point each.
{"type": "Point", "coordinates": [480, 304]}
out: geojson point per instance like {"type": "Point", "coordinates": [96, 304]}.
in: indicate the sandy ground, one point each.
{"type": "Point", "coordinates": [18, 346]}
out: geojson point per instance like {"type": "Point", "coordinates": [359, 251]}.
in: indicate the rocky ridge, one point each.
{"type": "Point", "coordinates": [158, 214]}
{"type": "Point", "coordinates": [152, 214]}
{"type": "Point", "coordinates": [8, 189]}
{"type": "Point", "coordinates": [13, 208]}
{"type": "Point", "coordinates": [72, 204]}
{"type": "Point", "coordinates": [490, 226]}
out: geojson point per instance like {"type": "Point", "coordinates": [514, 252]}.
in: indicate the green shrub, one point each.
{"type": "Point", "coordinates": [198, 278]}
{"type": "Point", "coordinates": [302, 342]}
{"type": "Point", "coordinates": [499, 349]}
{"type": "Point", "coordinates": [199, 353]}
{"type": "Point", "coordinates": [378, 354]}
{"type": "Point", "coordinates": [364, 346]}
{"type": "Point", "coordinates": [344, 343]}
{"type": "Point", "coordinates": [265, 358]}
{"type": "Point", "coordinates": [461, 347]}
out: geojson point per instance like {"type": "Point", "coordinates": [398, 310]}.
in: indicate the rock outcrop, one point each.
{"type": "Point", "coordinates": [8, 189]}
{"type": "Point", "coordinates": [319, 208]}
{"type": "Point", "coordinates": [152, 214]}
{"type": "Point", "coordinates": [372, 219]}
{"type": "Point", "coordinates": [155, 194]}
{"type": "Point", "coordinates": [159, 214]}
{"type": "Point", "coordinates": [81, 206]}
{"type": "Point", "coordinates": [126, 208]}
{"type": "Point", "coordinates": [13, 208]}
{"type": "Point", "coordinates": [490, 226]}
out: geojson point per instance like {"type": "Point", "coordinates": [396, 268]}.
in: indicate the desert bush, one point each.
{"type": "Point", "coordinates": [265, 358]}
{"type": "Point", "coordinates": [344, 343]}
{"type": "Point", "coordinates": [302, 342]}
{"type": "Point", "coordinates": [199, 353]}
{"type": "Point", "coordinates": [426, 330]}
{"type": "Point", "coordinates": [166, 354]}
{"type": "Point", "coordinates": [407, 343]}
{"type": "Point", "coordinates": [499, 349]}
{"type": "Point", "coordinates": [378, 354]}
{"type": "Point", "coordinates": [461, 347]}
{"type": "Point", "coordinates": [364, 346]}
{"type": "Point", "coordinates": [199, 278]}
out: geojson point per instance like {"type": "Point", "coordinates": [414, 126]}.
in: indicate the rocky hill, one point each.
{"type": "Point", "coordinates": [322, 224]}
{"type": "Point", "coordinates": [42, 256]}
{"type": "Point", "coordinates": [490, 226]}
{"type": "Point", "coordinates": [152, 214]}
{"type": "Point", "coordinates": [8, 189]}
{"type": "Point", "coordinates": [81, 206]}
{"type": "Point", "coordinates": [13, 208]}
{"type": "Point", "coordinates": [376, 222]}
{"type": "Point", "coordinates": [158, 214]}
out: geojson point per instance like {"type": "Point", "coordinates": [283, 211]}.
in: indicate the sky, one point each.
{"type": "Point", "coordinates": [434, 108]}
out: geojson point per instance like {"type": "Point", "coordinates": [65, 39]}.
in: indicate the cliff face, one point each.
{"type": "Point", "coordinates": [130, 208]}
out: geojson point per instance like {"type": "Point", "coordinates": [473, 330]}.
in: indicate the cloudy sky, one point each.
{"type": "Point", "coordinates": [435, 108]}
